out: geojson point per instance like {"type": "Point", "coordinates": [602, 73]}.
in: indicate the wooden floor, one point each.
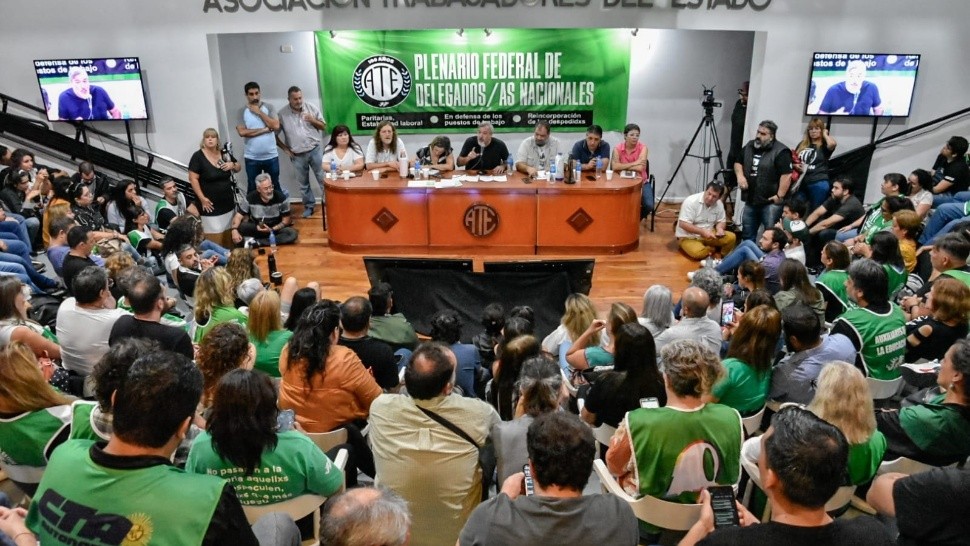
{"type": "Point", "coordinates": [616, 278]}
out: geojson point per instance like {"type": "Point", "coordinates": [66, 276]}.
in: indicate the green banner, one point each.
{"type": "Point", "coordinates": [437, 81]}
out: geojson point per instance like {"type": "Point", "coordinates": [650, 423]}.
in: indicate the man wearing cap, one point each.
{"type": "Point", "coordinates": [701, 224]}
{"type": "Point", "coordinates": [792, 221]}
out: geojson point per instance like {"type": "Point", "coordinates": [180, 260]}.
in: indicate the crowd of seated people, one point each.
{"type": "Point", "coordinates": [349, 365]}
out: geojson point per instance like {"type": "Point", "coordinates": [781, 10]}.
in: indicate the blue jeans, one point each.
{"type": "Point", "coordinates": [646, 200]}
{"type": "Point", "coordinates": [815, 193]}
{"type": "Point", "coordinates": [20, 226]}
{"type": "Point", "coordinates": [844, 236]}
{"type": "Point", "coordinates": [16, 247]}
{"type": "Point", "coordinates": [747, 250]}
{"type": "Point", "coordinates": [945, 198]}
{"type": "Point", "coordinates": [268, 166]}
{"type": "Point", "coordinates": [944, 219]}
{"type": "Point", "coordinates": [302, 163]}
{"type": "Point", "coordinates": [755, 216]}
{"type": "Point", "coordinates": [21, 272]}
{"type": "Point", "coordinates": [210, 249]}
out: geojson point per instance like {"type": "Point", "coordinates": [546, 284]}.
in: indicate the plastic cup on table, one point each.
{"type": "Point", "coordinates": [609, 174]}
{"type": "Point", "coordinates": [376, 174]}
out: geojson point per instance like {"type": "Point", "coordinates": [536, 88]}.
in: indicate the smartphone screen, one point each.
{"type": "Point", "coordinates": [284, 420]}
{"type": "Point", "coordinates": [530, 488]}
{"type": "Point", "coordinates": [650, 402]}
{"type": "Point", "coordinates": [727, 313]}
{"type": "Point", "coordinates": [723, 504]}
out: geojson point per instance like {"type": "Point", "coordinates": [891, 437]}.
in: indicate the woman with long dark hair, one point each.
{"type": "Point", "coordinates": [514, 353]}
{"type": "Point", "coordinates": [344, 151]}
{"type": "Point", "coordinates": [539, 392]}
{"type": "Point", "coordinates": [796, 287]}
{"type": "Point", "coordinates": [241, 441]}
{"type": "Point", "coordinates": [325, 383]}
{"type": "Point", "coordinates": [884, 250]}
{"type": "Point", "coordinates": [124, 198]}
{"type": "Point", "coordinates": [635, 376]}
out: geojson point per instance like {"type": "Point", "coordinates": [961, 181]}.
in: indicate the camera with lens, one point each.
{"type": "Point", "coordinates": [708, 101]}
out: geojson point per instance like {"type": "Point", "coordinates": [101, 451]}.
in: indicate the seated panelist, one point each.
{"type": "Point", "coordinates": [592, 147]}
{"type": "Point", "coordinates": [437, 155]}
{"type": "Point", "coordinates": [483, 153]}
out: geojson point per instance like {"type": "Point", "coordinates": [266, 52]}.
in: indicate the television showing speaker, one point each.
{"type": "Point", "coordinates": [92, 89]}
{"type": "Point", "coordinates": [862, 84]}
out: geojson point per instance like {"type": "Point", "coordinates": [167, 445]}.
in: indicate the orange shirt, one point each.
{"type": "Point", "coordinates": [341, 393]}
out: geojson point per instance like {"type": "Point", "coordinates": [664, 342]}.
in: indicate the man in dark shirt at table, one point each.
{"type": "Point", "coordinates": [377, 356]}
{"type": "Point", "coordinates": [484, 153]}
{"type": "Point", "coordinates": [593, 146]}
{"type": "Point", "coordinates": [147, 301]}
{"type": "Point", "coordinates": [81, 241]}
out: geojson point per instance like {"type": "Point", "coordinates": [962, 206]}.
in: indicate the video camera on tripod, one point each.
{"type": "Point", "coordinates": [708, 101]}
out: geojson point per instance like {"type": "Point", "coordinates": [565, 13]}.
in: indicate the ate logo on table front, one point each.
{"type": "Point", "coordinates": [481, 220]}
{"type": "Point", "coordinates": [382, 81]}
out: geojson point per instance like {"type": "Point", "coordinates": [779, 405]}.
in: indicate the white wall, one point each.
{"type": "Point", "coordinates": [172, 39]}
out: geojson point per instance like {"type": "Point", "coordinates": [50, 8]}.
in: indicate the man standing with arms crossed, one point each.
{"type": "Point", "coordinates": [299, 136]}
{"type": "Point", "coordinates": [257, 124]}
{"type": "Point", "coordinates": [764, 175]}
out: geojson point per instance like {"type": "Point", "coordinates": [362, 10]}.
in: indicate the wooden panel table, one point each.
{"type": "Point", "coordinates": [513, 217]}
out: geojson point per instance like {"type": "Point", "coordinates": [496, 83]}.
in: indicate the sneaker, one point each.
{"type": "Point", "coordinates": [690, 275]}
{"type": "Point", "coordinates": [39, 266]}
{"type": "Point", "coordinates": [308, 212]}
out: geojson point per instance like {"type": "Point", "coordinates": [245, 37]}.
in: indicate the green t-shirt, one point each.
{"type": "Point", "coordinates": [897, 277]}
{"type": "Point", "coordinates": [941, 430]}
{"type": "Point", "coordinates": [84, 424]}
{"type": "Point", "coordinates": [218, 316]}
{"type": "Point", "coordinates": [295, 467]}
{"type": "Point", "coordinates": [865, 458]}
{"type": "Point", "coordinates": [81, 502]}
{"type": "Point", "coordinates": [743, 388]}
{"type": "Point", "coordinates": [833, 282]}
{"type": "Point", "coordinates": [268, 351]}
{"type": "Point", "coordinates": [25, 441]}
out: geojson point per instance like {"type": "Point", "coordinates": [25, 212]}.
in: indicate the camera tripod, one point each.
{"type": "Point", "coordinates": [710, 137]}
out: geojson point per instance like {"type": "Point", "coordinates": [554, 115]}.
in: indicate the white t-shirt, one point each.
{"type": "Point", "coordinates": [372, 156]}
{"type": "Point", "coordinates": [83, 334]}
{"type": "Point", "coordinates": [693, 211]}
{"type": "Point", "coordinates": [350, 156]}
{"type": "Point", "coordinates": [551, 343]}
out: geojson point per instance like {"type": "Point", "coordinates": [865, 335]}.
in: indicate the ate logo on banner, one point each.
{"type": "Point", "coordinates": [382, 81]}
{"type": "Point", "coordinates": [481, 220]}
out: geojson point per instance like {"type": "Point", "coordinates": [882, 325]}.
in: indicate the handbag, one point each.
{"type": "Point", "coordinates": [486, 454]}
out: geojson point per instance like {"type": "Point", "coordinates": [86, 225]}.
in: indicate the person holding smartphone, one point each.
{"type": "Point", "coordinates": [561, 450]}
{"type": "Point", "coordinates": [802, 464]}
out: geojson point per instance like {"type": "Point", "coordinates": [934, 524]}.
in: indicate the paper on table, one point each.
{"type": "Point", "coordinates": [420, 184]}
{"type": "Point", "coordinates": [470, 178]}
{"type": "Point", "coordinates": [452, 183]}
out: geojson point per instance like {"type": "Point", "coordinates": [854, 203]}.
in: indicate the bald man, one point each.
{"type": "Point", "coordinates": [694, 324]}
{"type": "Point", "coordinates": [365, 516]}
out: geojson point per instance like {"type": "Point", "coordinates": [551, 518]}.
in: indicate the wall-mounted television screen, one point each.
{"type": "Point", "coordinates": [861, 84]}
{"type": "Point", "coordinates": [92, 89]}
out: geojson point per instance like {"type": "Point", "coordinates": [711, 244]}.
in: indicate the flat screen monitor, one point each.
{"type": "Point", "coordinates": [377, 266]}
{"type": "Point", "coordinates": [92, 89]}
{"type": "Point", "coordinates": [580, 272]}
{"type": "Point", "coordinates": [862, 84]}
